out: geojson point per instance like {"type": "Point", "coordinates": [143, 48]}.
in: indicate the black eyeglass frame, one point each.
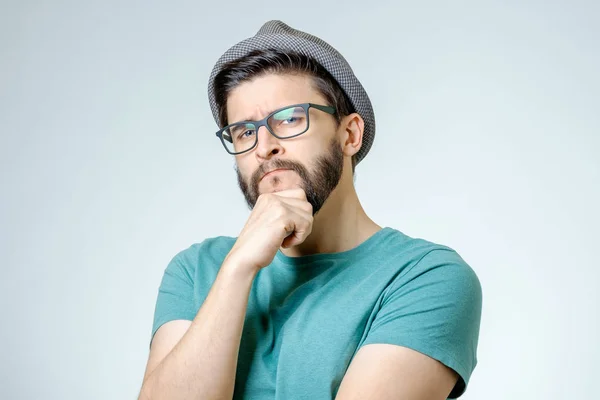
{"type": "Point", "coordinates": [263, 122]}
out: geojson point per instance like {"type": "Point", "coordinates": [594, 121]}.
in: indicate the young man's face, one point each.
{"type": "Point", "coordinates": [313, 161]}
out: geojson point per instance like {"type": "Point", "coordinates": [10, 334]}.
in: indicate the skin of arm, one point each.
{"type": "Point", "coordinates": [390, 372]}
{"type": "Point", "coordinates": [198, 360]}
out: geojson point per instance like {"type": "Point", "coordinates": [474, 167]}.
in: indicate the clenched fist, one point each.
{"type": "Point", "coordinates": [279, 219]}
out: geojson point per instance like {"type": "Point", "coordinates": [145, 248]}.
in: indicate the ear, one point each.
{"type": "Point", "coordinates": [352, 127]}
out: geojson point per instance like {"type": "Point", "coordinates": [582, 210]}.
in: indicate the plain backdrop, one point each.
{"type": "Point", "coordinates": [487, 141]}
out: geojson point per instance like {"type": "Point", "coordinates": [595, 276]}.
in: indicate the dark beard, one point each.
{"type": "Point", "coordinates": [318, 185]}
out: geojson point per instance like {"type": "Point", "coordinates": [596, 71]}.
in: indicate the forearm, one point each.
{"type": "Point", "coordinates": [203, 364]}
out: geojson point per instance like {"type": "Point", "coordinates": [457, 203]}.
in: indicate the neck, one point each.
{"type": "Point", "coordinates": [340, 225]}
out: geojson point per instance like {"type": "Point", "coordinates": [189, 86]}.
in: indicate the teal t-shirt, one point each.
{"type": "Point", "coordinates": [308, 316]}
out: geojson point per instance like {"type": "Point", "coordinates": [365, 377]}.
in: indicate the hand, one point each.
{"type": "Point", "coordinates": [280, 219]}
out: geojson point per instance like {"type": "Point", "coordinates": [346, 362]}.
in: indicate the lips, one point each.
{"type": "Point", "coordinates": [274, 170]}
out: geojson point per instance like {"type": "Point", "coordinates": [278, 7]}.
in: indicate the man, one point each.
{"type": "Point", "coordinates": [313, 300]}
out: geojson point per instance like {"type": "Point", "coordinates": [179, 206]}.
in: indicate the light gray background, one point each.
{"type": "Point", "coordinates": [488, 124]}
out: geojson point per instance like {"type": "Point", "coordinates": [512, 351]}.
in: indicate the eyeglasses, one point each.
{"type": "Point", "coordinates": [285, 123]}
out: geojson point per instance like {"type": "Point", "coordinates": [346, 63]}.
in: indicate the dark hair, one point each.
{"type": "Point", "coordinates": [260, 62]}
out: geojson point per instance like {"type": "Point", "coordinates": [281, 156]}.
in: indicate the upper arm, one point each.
{"type": "Point", "coordinates": [165, 339]}
{"type": "Point", "coordinates": [425, 330]}
{"type": "Point", "coordinates": [181, 292]}
{"type": "Point", "coordinates": [175, 300]}
{"type": "Point", "coordinates": [174, 310]}
{"type": "Point", "coordinates": [385, 371]}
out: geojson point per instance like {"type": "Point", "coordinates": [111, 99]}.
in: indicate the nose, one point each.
{"type": "Point", "coordinates": [268, 145]}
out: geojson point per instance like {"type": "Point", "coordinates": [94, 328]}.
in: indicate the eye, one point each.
{"type": "Point", "coordinates": [290, 120]}
{"type": "Point", "coordinates": [246, 134]}
{"type": "Point", "coordinates": [288, 116]}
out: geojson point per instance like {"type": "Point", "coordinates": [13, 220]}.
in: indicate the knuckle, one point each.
{"type": "Point", "coordinates": [308, 207]}
{"type": "Point", "coordinates": [288, 225]}
{"type": "Point", "coordinates": [305, 224]}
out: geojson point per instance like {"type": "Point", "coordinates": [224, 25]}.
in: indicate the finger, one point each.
{"type": "Point", "coordinates": [269, 202]}
{"type": "Point", "coordinates": [296, 204]}
{"type": "Point", "coordinates": [297, 193]}
{"type": "Point", "coordinates": [300, 226]}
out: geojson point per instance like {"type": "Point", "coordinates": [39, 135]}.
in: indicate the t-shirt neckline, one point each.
{"type": "Point", "coordinates": [355, 253]}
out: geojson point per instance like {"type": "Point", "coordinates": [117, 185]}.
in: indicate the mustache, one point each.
{"type": "Point", "coordinates": [318, 184]}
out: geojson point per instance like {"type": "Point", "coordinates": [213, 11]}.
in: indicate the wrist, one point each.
{"type": "Point", "coordinates": [236, 265]}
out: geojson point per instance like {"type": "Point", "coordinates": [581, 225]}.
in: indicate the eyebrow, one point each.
{"type": "Point", "coordinates": [254, 120]}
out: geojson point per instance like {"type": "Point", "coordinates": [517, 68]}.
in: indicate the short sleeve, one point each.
{"type": "Point", "coordinates": [175, 298]}
{"type": "Point", "coordinates": [435, 309]}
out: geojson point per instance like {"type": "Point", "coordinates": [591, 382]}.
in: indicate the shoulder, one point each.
{"type": "Point", "coordinates": [400, 243]}
{"type": "Point", "coordinates": [208, 253]}
{"type": "Point", "coordinates": [209, 247]}
{"type": "Point", "coordinates": [428, 261]}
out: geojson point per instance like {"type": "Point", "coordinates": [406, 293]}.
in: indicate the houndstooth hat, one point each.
{"type": "Point", "coordinates": [277, 35]}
